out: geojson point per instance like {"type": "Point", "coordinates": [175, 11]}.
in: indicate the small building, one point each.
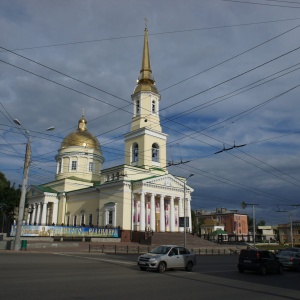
{"type": "Point", "coordinates": [267, 233]}
{"type": "Point", "coordinates": [234, 222]}
{"type": "Point", "coordinates": [289, 232]}
{"type": "Point", "coordinates": [211, 225]}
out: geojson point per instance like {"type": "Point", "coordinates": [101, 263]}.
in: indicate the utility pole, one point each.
{"type": "Point", "coordinates": [184, 208]}
{"type": "Point", "coordinates": [244, 205]}
{"type": "Point", "coordinates": [17, 245]}
{"type": "Point", "coordinates": [291, 224]}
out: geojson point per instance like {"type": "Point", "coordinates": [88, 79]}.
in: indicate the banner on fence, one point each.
{"type": "Point", "coordinates": [53, 231]}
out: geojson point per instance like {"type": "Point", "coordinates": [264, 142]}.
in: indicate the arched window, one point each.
{"type": "Point", "coordinates": [153, 107]}
{"type": "Point", "coordinates": [110, 214]}
{"type": "Point", "coordinates": [137, 107]}
{"type": "Point", "coordinates": [59, 167]}
{"type": "Point", "coordinates": [155, 152]}
{"type": "Point", "coordinates": [91, 166]}
{"type": "Point", "coordinates": [135, 152]}
{"type": "Point", "coordinates": [73, 165]}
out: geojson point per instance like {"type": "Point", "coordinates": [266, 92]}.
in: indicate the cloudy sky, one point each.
{"type": "Point", "coordinates": [227, 72]}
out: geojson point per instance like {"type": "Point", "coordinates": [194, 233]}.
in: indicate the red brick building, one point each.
{"type": "Point", "coordinates": [234, 222]}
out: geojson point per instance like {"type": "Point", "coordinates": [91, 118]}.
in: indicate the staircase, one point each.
{"type": "Point", "coordinates": [177, 238]}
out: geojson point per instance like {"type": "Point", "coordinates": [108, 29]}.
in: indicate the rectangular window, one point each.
{"type": "Point", "coordinates": [75, 221]}
{"type": "Point", "coordinates": [68, 220]}
{"type": "Point", "coordinates": [74, 165]}
{"type": "Point", "coordinates": [82, 220]}
{"type": "Point", "coordinates": [110, 217]}
{"type": "Point", "coordinates": [91, 167]}
{"type": "Point", "coordinates": [90, 219]}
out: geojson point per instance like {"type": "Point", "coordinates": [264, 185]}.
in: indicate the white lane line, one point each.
{"type": "Point", "coordinates": [101, 259]}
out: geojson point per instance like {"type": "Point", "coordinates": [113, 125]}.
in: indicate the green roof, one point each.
{"type": "Point", "coordinates": [219, 231]}
{"type": "Point", "coordinates": [45, 189]}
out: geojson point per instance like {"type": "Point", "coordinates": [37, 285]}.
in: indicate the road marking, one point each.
{"type": "Point", "coordinates": [101, 259]}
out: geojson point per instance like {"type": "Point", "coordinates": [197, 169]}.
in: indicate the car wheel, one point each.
{"type": "Point", "coordinates": [263, 270]}
{"type": "Point", "coordinates": [241, 270]}
{"type": "Point", "coordinates": [161, 267]}
{"type": "Point", "coordinates": [280, 269]}
{"type": "Point", "coordinates": [143, 268]}
{"type": "Point", "coordinates": [189, 266]}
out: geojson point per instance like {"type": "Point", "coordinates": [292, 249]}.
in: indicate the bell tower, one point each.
{"type": "Point", "coordinates": [145, 144]}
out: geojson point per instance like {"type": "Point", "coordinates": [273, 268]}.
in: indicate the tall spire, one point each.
{"type": "Point", "coordinates": [146, 81]}
{"type": "Point", "coordinates": [146, 72]}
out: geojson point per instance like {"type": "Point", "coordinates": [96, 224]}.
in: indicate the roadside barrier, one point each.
{"type": "Point", "coordinates": [143, 249]}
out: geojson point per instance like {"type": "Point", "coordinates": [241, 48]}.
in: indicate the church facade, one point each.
{"type": "Point", "coordinates": [138, 196]}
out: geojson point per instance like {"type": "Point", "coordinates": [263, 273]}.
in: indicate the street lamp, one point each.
{"type": "Point", "coordinates": [244, 205]}
{"type": "Point", "coordinates": [17, 245]}
{"type": "Point", "coordinates": [184, 208]}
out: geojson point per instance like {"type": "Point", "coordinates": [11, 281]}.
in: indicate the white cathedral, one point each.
{"type": "Point", "coordinates": [135, 197]}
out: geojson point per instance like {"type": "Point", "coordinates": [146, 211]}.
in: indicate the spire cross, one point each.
{"type": "Point", "coordinates": [146, 22]}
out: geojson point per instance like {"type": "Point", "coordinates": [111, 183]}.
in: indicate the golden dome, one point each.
{"type": "Point", "coordinates": [81, 137]}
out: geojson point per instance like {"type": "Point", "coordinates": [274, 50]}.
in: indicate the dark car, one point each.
{"type": "Point", "coordinates": [290, 259]}
{"type": "Point", "coordinates": [260, 261]}
{"type": "Point", "coordinates": [294, 249]}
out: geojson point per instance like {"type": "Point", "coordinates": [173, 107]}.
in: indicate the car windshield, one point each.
{"type": "Point", "coordinates": [160, 250]}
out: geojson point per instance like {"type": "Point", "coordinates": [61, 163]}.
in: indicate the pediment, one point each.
{"type": "Point", "coordinates": [37, 190]}
{"type": "Point", "coordinates": [168, 181]}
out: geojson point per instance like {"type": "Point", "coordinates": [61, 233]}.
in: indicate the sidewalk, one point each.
{"type": "Point", "coordinates": [118, 247]}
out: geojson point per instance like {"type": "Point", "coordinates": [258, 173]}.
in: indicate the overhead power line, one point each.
{"type": "Point", "coordinates": [264, 4]}
{"type": "Point", "coordinates": [153, 34]}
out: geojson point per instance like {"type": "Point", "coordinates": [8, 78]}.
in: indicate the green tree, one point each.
{"type": "Point", "coordinates": [196, 226]}
{"type": "Point", "coordinates": [257, 223]}
{"type": "Point", "coordinates": [9, 199]}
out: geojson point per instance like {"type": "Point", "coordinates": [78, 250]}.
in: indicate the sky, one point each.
{"type": "Point", "coordinates": [227, 73]}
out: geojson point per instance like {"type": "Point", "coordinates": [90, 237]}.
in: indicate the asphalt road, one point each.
{"type": "Point", "coordinates": [99, 276]}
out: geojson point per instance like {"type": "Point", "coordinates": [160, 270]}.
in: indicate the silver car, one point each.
{"type": "Point", "coordinates": [167, 257]}
{"type": "Point", "coordinates": [290, 259]}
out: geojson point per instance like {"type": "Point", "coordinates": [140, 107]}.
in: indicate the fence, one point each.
{"type": "Point", "coordinates": [143, 249]}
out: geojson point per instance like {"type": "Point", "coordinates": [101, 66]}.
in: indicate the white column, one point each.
{"type": "Point", "coordinates": [44, 213]}
{"type": "Point", "coordinates": [33, 219]}
{"type": "Point", "coordinates": [162, 224]}
{"type": "Point", "coordinates": [133, 212]}
{"type": "Point", "coordinates": [38, 214]}
{"type": "Point", "coordinates": [28, 216]}
{"type": "Point", "coordinates": [172, 214]}
{"type": "Point", "coordinates": [54, 212]}
{"type": "Point", "coordinates": [180, 212]}
{"type": "Point", "coordinates": [62, 200]}
{"type": "Point", "coordinates": [189, 213]}
{"type": "Point", "coordinates": [142, 217]}
{"type": "Point", "coordinates": [152, 212]}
